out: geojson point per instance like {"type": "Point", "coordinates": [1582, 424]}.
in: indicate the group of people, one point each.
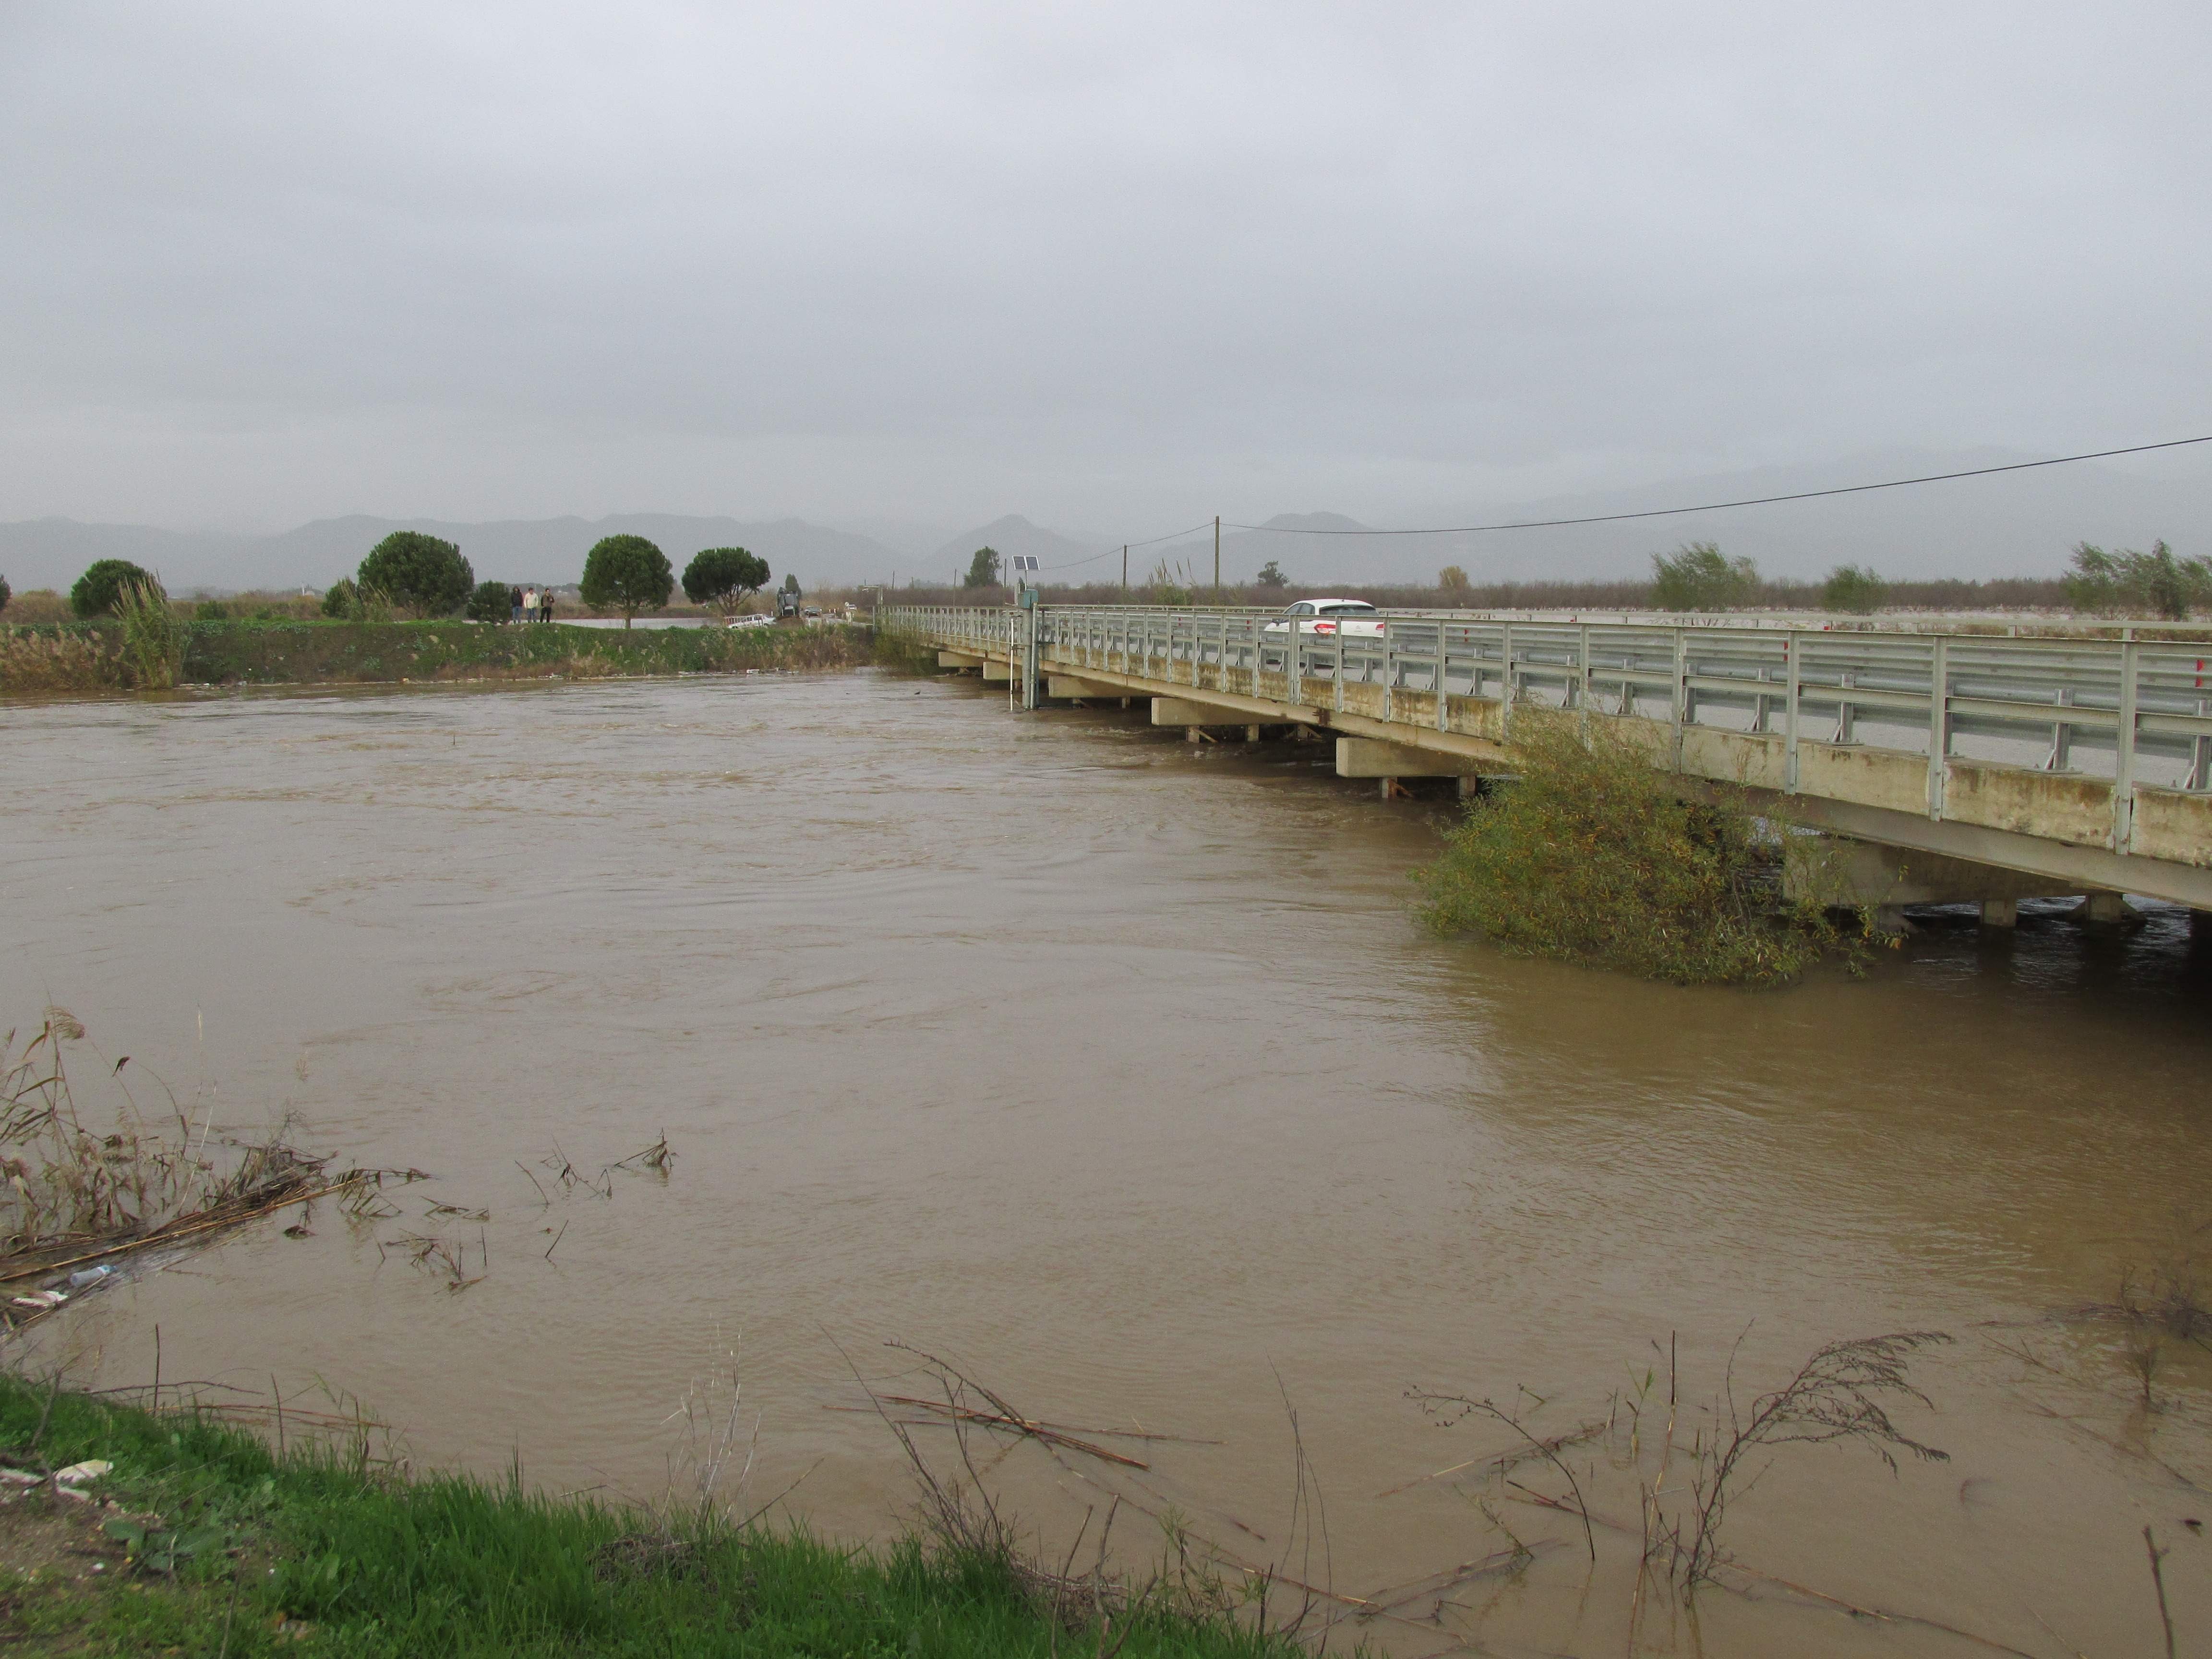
{"type": "Point", "coordinates": [529, 604]}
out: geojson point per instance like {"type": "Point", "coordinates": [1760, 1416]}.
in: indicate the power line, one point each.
{"type": "Point", "coordinates": [1716, 507]}
{"type": "Point", "coordinates": [1118, 547]}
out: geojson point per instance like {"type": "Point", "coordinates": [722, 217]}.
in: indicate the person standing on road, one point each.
{"type": "Point", "coordinates": [529, 602]}
{"type": "Point", "coordinates": [514, 605]}
{"type": "Point", "coordinates": [547, 596]}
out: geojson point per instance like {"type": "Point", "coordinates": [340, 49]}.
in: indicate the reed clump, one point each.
{"type": "Point", "coordinates": [1590, 855]}
{"type": "Point", "coordinates": [74, 1193]}
{"type": "Point", "coordinates": [58, 660]}
{"type": "Point", "coordinates": [154, 635]}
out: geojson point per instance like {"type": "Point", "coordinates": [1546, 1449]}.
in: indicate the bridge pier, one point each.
{"type": "Point", "coordinates": [1075, 687]}
{"type": "Point", "coordinates": [1836, 872]}
{"type": "Point", "coordinates": [2106, 910]}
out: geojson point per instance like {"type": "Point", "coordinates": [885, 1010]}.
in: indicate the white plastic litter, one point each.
{"type": "Point", "coordinates": [77, 1473]}
{"type": "Point", "coordinates": [42, 1300]}
{"type": "Point", "coordinates": [86, 1276]}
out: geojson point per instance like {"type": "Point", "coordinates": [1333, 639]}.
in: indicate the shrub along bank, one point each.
{"type": "Point", "coordinates": [207, 1542]}
{"type": "Point", "coordinates": [92, 657]}
{"type": "Point", "coordinates": [1590, 854]}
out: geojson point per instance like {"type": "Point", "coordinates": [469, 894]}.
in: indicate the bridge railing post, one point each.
{"type": "Point", "coordinates": [1581, 683]}
{"type": "Point", "coordinates": [1793, 656]}
{"type": "Point", "coordinates": [1505, 678]}
{"type": "Point", "coordinates": [1680, 690]}
{"type": "Point", "coordinates": [2124, 747]}
{"type": "Point", "coordinates": [1389, 665]}
{"type": "Point", "coordinates": [1939, 720]}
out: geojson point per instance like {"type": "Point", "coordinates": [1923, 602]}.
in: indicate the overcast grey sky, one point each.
{"type": "Point", "coordinates": [1115, 267]}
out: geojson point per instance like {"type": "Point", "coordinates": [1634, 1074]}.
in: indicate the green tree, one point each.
{"type": "Point", "coordinates": [724, 577]}
{"type": "Point", "coordinates": [1453, 582]}
{"type": "Point", "coordinates": [1854, 588]}
{"type": "Point", "coordinates": [982, 570]}
{"type": "Point", "coordinates": [627, 573]}
{"type": "Point", "coordinates": [101, 589]}
{"type": "Point", "coordinates": [421, 573]}
{"type": "Point", "coordinates": [1696, 577]}
{"type": "Point", "coordinates": [343, 602]}
{"type": "Point", "coordinates": [489, 602]}
{"type": "Point", "coordinates": [1271, 575]}
{"type": "Point", "coordinates": [2126, 583]}
{"type": "Point", "coordinates": [6, 593]}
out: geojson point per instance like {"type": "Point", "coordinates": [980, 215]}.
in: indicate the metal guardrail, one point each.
{"type": "Point", "coordinates": [2126, 712]}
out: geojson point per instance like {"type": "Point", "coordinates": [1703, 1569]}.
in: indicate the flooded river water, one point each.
{"type": "Point", "coordinates": [1120, 1071]}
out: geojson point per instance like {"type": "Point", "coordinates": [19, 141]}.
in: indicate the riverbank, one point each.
{"type": "Point", "coordinates": [201, 1539]}
{"type": "Point", "coordinates": [89, 658]}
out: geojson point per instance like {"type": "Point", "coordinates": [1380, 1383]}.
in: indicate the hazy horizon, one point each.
{"type": "Point", "coordinates": [1114, 271]}
{"type": "Point", "coordinates": [2018, 524]}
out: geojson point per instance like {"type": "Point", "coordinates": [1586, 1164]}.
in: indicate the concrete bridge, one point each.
{"type": "Point", "coordinates": [1973, 766]}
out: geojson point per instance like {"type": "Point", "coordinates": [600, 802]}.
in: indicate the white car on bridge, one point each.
{"type": "Point", "coordinates": [1351, 618]}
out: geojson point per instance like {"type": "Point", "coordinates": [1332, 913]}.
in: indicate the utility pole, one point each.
{"type": "Point", "coordinates": [1217, 558]}
{"type": "Point", "coordinates": [1125, 567]}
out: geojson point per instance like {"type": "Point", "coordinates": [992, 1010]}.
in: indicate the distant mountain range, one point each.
{"type": "Point", "coordinates": [2018, 523]}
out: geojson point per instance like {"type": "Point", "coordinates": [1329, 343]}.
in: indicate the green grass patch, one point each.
{"type": "Point", "coordinates": [222, 1547]}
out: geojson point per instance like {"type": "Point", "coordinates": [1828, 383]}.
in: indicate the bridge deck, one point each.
{"type": "Point", "coordinates": [2079, 759]}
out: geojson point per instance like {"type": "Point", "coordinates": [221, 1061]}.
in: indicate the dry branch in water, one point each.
{"type": "Point", "coordinates": [1840, 1394]}
{"type": "Point", "coordinates": [75, 1196]}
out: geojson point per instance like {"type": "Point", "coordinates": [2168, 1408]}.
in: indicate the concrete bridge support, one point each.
{"type": "Point", "coordinates": [962, 659]}
{"type": "Point", "coordinates": [1196, 719]}
{"type": "Point", "coordinates": [1833, 869]}
{"type": "Point", "coordinates": [1075, 687]}
{"type": "Point", "coordinates": [1372, 757]}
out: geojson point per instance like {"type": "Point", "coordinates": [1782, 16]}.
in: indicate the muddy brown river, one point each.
{"type": "Point", "coordinates": [1119, 1072]}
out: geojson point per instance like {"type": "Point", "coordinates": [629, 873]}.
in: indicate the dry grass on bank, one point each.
{"type": "Point", "coordinates": [79, 1199]}
{"type": "Point", "coordinates": [44, 662]}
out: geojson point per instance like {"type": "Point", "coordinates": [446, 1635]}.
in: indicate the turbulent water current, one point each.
{"type": "Point", "coordinates": [1118, 1070]}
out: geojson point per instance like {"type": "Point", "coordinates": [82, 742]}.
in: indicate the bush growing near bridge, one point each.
{"type": "Point", "coordinates": [1591, 856]}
